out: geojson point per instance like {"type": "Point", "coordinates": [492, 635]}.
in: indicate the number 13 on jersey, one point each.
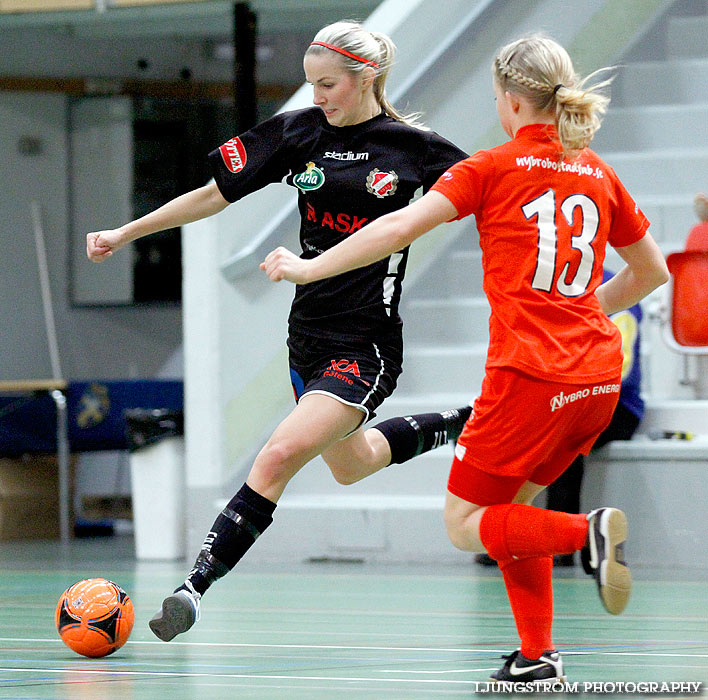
{"type": "Point", "coordinates": [575, 209]}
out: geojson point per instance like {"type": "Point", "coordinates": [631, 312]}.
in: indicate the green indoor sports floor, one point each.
{"type": "Point", "coordinates": [336, 630]}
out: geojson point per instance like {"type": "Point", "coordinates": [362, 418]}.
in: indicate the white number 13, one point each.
{"type": "Point", "coordinates": [544, 208]}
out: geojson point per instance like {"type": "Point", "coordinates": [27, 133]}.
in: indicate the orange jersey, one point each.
{"type": "Point", "coordinates": [543, 225]}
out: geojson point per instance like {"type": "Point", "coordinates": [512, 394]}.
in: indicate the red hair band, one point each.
{"type": "Point", "coordinates": [344, 52]}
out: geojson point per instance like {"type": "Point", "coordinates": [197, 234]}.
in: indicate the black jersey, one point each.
{"type": "Point", "coordinates": [346, 176]}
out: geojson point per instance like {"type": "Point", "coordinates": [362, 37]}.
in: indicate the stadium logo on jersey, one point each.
{"type": "Point", "coordinates": [312, 179]}
{"type": "Point", "coordinates": [382, 184]}
{"type": "Point", "coordinates": [234, 154]}
{"type": "Point", "coordinates": [346, 156]}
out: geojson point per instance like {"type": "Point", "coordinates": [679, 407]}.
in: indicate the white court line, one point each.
{"type": "Point", "coordinates": [455, 670]}
{"type": "Point", "coordinates": [598, 665]}
{"type": "Point", "coordinates": [250, 676]}
{"type": "Point", "coordinates": [461, 650]}
{"type": "Point", "coordinates": [241, 645]}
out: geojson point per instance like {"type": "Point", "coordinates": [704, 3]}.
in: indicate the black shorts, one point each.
{"type": "Point", "coordinates": [356, 372]}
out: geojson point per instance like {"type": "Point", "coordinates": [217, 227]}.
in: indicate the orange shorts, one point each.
{"type": "Point", "coordinates": [526, 429]}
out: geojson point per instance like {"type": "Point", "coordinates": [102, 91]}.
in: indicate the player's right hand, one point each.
{"type": "Point", "coordinates": [101, 244]}
{"type": "Point", "coordinates": [282, 264]}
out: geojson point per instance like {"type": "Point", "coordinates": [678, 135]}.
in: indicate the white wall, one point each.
{"type": "Point", "coordinates": [101, 192]}
{"type": "Point", "coordinates": [23, 346]}
{"type": "Point", "coordinates": [100, 343]}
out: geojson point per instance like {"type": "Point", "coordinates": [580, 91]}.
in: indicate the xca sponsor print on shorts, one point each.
{"type": "Point", "coordinates": [357, 373]}
{"type": "Point", "coordinates": [340, 368]}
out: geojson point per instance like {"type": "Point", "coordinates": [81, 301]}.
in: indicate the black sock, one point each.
{"type": "Point", "coordinates": [236, 528]}
{"type": "Point", "coordinates": [409, 436]}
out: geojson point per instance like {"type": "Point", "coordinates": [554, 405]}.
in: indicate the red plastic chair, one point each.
{"type": "Point", "coordinates": [689, 302]}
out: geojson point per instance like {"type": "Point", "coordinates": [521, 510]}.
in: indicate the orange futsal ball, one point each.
{"type": "Point", "coordinates": [94, 617]}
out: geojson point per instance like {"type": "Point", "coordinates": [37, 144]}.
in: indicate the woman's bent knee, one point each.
{"type": "Point", "coordinates": [456, 533]}
{"type": "Point", "coordinates": [277, 456]}
{"type": "Point", "coordinates": [344, 474]}
{"type": "Point", "coordinates": [353, 459]}
{"type": "Point", "coordinates": [278, 462]}
{"type": "Point", "coordinates": [462, 523]}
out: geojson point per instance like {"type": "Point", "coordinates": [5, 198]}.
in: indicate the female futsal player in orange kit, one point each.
{"type": "Point", "coordinates": [545, 207]}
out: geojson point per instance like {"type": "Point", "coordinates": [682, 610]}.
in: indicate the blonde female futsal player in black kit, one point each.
{"type": "Point", "coordinates": [353, 158]}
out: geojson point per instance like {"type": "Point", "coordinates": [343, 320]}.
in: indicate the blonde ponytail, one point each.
{"type": "Point", "coordinates": [541, 70]}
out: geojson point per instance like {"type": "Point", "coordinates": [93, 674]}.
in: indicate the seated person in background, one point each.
{"type": "Point", "coordinates": [564, 493]}
{"type": "Point", "coordinates": [698, 235]}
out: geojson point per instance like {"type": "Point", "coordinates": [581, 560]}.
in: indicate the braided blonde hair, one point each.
{"type": "Point", "coordinates": [372, 46]}
{"type": "Point", "coordinates": [539, 69]}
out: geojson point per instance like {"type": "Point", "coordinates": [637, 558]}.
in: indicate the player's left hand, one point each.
{"type": "Point", "coordinates": [281, 264]}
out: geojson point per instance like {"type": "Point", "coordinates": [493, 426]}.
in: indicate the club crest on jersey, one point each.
{"type": "Point", "coordinates": [234, 154]}
{"type": "Point", "coordinates": [382, 184]}
{"type": "Point", "coordinates": [312, 179]}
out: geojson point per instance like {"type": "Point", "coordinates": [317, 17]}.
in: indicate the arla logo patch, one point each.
{"type": "Point", "coordinates": [234, 154]}
{"type": "Point", "coordinates": [312, 179]}
{"type": "Point", "coordinates": [380, 183]}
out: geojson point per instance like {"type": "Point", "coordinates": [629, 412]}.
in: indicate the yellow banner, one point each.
{"type": "Point", "coordinates": [45, 5]}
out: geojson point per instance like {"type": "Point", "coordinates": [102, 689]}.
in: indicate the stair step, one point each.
{"type": "Point", "coordinates": [458, 274]}
{"type": "Point", "coordinates": [405, 404]}
{"type": "Point", "coordinates": [686, 37]}
{"type": "Point", "coordinates": [677, 171]}
{"type": "Point", "coordinates": [389, 529]}
{"type": "Point", "coordinates": [675, 81]}
{"type": "Point", "coordinates": [446, 320]}
{"type": "Point", "coordinates": [372, 502]}
{"type": "Point", "coordinates": [680, 415]}
{"type": "Point", "coordinates": [651, 127]}
{"type": "Point", "coordinates": [443, 369]}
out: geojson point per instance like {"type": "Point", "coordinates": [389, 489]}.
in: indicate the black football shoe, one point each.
{"type": "Point", "coordinates": [603, 557]}
{"type": "Point", "coordinates": [519, 669]}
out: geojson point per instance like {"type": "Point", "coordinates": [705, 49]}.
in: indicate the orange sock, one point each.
{"type": "Point", "coordinates": [529, 587]}
{"type": "Point", "coordinates": [512, 530]}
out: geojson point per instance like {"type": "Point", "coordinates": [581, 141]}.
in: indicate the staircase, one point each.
{"type": "Point", "coordinates": [396, 515]}
{"type": "Point", "coordinates": [656, 138]}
